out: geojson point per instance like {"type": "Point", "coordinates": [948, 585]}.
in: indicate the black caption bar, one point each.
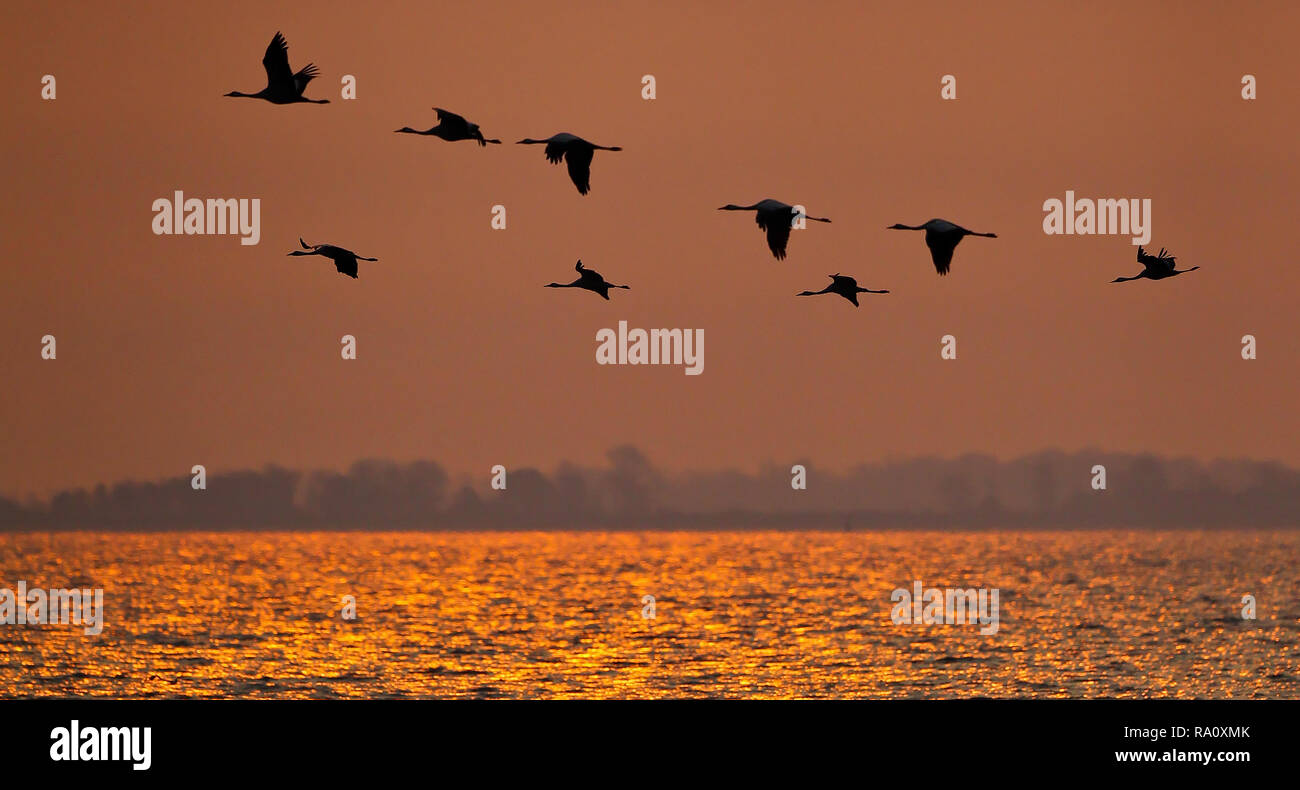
{"type": "Point", "coordinates": [186, 739]}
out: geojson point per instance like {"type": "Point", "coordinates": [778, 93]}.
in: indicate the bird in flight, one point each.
{"type": "Point", "coordinates": [588, 280]}
{"type": "Point", "coordinates": [282, 85]}
{"type": "Point", "coordinates": [843, 285]}
{"type": "Point", "coordinates": [344, 260]}
{"type": "Point", "coordinates": [452, 127]}
{"type": "Point", "coordinates": [942, 237]}
{"type": "Point", "coordinates": [1155, 267]}
{"type": "Point", "coordinates": [576, 152]}
{"type": "Point", "coordinates": [774, 218]}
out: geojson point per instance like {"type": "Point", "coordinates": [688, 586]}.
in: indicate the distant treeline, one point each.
{"type": "Point", "coordinates": [1048, 489]}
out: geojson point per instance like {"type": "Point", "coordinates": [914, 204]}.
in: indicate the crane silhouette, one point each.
{"type": "Point", "coordinates": [344, 260]}
{"type": "Point", "coordinates": [576, 152]}
{"type": "Point", "coordinates": [774, 218]}
{"type": "Point", "coordinates": [588, 280]}
{"type": "Point", "coordinates": [452, 127]}
{"type": "Point", "coordinates": [942, 237]}
{"type": "Point", "coordinates": [1155, 267]}
{"type": "Point", "coordinates": [283, 86]}
{"type": "Point", "coordinates": [843, 285]}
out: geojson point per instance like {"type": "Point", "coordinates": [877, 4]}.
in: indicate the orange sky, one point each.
{"type": "Point", "coordinates": [178, 350]}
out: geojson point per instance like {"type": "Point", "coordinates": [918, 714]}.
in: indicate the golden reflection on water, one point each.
{"type": "Point", "coordinates": [763, 614]}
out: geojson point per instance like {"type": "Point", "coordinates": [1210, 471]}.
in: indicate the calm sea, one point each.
{"type": "Point", "coordinates": [763, 614]}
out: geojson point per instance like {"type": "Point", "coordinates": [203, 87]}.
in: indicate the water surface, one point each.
{"type": "Point", "coordinates": [762, 614]}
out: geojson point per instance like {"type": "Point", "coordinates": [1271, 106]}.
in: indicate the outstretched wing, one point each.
{"type": "Point", "coordinates": [777, 227]}
{"type": "Point", "coordinates": [276, 63]}
{"type": "Point", "coordinates": [346, 264]}
{"type": "Point", "coordinates": [452, 120]}
{"type": "Point", "coordinates": [941, 246]}
{"type": "Point", "coordinates": [1156, 263]}
{"type": "Point", "coordinates": [554, 152]}
{"type": "Point", "coordinates": [300, 80]}
{"type": "Point", "coordinates": [578, 158]}
{"type": "Point", "coordinates": [592, 279]}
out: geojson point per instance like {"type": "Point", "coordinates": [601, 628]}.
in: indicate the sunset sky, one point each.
{"type": "Point", "coordinates": [180, 350]}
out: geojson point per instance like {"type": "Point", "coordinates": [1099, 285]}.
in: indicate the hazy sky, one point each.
{"type": "Point", "coordinates": [177, 350]}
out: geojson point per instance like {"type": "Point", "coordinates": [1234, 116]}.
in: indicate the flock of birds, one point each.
{"type": "Point", "coordinates": [774, 218]}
